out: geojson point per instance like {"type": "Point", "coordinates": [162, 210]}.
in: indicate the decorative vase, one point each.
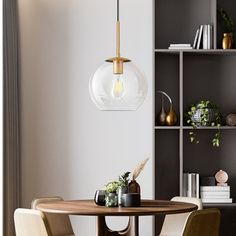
{"type": "Point", "coordinates": [161, 116]}
{"type": "Point", "coordinates": [197, 117]}
{"type": "Point", "coordinates": [111, 200]}
{"type": "Point", "coordinates": [227, 41]}
{"type": "Point", "coordinates": [171, 117]}
{"type": "Point", "coordinates": [99, 197]}
{"type": "Point", "coordinates": [121, 191]}
{"type": "Point", "coordinates": [134, 187]}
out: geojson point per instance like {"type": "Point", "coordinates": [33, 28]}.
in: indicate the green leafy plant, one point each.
{"type": "Point", "coordinates": [124, 179]}
{"type": "Point", "coordinates": [112, 187]}
{"type": "Point", "coordinates": [227, 21]}
{"type": "Point", "coordinates": [204, 113]}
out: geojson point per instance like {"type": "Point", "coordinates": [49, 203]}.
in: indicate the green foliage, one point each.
{"type": "Point", "coordinates": [227, 21]}
{"type": "Point", "coordinates": [204, 107]}
{"type": "Point", "coordinates": [112, 187]}
{"type": "Point", "coordinates": [124, 179]}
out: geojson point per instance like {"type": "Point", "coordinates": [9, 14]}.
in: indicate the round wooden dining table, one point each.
{"type": "Point", "coordinates": [89, 208]}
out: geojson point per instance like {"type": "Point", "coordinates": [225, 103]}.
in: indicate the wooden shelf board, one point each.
{"type": "Point", "coordinates": [167, 127]}
{"type": "Point", "coordinates": [198, 51]}
{"type": "Point", "coordinates": [202, 127]}
{"type": "Point", "coordinates": [210, 127]}
{"type": "Point", "coordinates": [220, 205]}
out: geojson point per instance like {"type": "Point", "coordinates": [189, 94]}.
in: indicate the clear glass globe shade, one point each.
{"type": "Point", "coordinates": [110, 91]}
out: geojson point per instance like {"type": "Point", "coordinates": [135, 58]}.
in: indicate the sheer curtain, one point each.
{"type": "Point", "coordinates": [11, 115]}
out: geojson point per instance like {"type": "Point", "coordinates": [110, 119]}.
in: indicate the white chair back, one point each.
{"type": "Point", "coordinates": [30, 222]}
{"type": "Point", "coordinates": [174, 224]}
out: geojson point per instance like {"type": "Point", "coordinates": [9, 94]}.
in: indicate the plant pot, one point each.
{"type": "Point", "coordinates": [111, 200]}
{"type": "Point", "coordinates": [196, 118]}
{"type": "Point", "coordinates": [227, 41]}
{"type": "Point", "coordinates": [121, 191]}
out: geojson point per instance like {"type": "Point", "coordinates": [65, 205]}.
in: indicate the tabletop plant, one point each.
{"type": "Point", "coordinates": [204, 113]}
{"type": "Point", "coordinates": [123, 182]}
{"type": "Point", "coordinates": [112, 187]}
{"type": "Point", "coordinates": [111, 197]}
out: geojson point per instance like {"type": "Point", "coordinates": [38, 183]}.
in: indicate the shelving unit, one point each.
{"type": "Point", "coordinates": [189, 76]}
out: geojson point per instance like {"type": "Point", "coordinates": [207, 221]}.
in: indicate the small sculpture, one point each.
{"type": "Point", "coordinates": [231, 119]}
{"type": "Point", "coordinates": [166, 119]}
{"type": "Point", "coordinates": [221, 178]}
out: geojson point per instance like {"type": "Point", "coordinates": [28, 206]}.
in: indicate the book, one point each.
{"type": "Point", "coordinates": [217, 200]}
{"type": "Point", "coordinates": [193, 179]}
{"type": "Point", "coordinates": [214, 188]}
{"type": "Point", "coordinates": [205, 37]}
{"type": "Point", "coordinates": [197, 185]}
{"type": "Point", "coordinates": [199, 37]}
{"type": "Point", "coordinates": [185, 183]}
{"type": "Point", "coordinates": [195, 39]}
{"type": "Point", "coordinates": [180, 48]}
{"type": "Point", "coordinates": [180, 45]}
{"type": "Point", "coordinates": [189, 189]}
{"type": "Point", "coordinates": [225, 195]}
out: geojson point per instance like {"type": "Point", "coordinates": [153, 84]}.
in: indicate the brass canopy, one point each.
{"type": "Point", "coordinates": [118, 64]}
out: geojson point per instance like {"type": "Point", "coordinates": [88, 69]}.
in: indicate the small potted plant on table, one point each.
{"type": "Point", "coordinates": [123, 186]}
{"type": "Point", "coordinates": [111, 198]}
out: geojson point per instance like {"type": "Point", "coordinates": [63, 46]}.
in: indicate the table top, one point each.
{"type": "Point", "coordinates": [88, 207]}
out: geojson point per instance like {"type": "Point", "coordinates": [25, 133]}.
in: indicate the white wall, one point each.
{"type": "Point", "coordinates": [69, 148]}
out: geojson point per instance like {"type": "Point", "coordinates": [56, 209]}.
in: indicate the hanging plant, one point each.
{"type": "Point", "coordinates": [204, 113]}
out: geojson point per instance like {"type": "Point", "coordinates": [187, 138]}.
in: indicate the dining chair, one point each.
{"type": "Point", "coordinates": [59, 224]}
{"type": "Point", "coordinates": [203, 223]}
{"type": "Point", "coordinates": [29, 222]}
{"type": "Point", "coordinates": [174, 224]}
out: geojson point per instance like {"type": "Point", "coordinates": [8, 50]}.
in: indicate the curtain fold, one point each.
{"type": "Point", "coordinates": [11, 115]}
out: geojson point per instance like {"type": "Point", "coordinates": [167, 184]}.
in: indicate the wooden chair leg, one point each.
{"type": "Point", "coordinates": [130, 230]}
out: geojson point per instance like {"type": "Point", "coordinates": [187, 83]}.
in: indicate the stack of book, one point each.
{"type": "Point", "coordinates": [215, 194]}
{"type": "Point", "coordinates": [191, 185]}
{"type": "Point", "coordinates": [204, 37]}
{"type": "Point", "coordinates": [180, 46]}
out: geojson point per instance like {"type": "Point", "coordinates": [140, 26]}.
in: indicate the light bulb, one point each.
{"type": "Point", "coordinates": [118, 87]}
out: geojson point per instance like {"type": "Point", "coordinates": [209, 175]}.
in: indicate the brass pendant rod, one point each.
{"type": "Point", "coordinates": [118, 30]}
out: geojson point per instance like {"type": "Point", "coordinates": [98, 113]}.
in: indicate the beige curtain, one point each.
{"type": "Point", "coordinates": [11, 122]}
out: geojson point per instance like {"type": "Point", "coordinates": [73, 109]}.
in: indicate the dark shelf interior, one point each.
{"type": "Point", "coordinates": [167, 167]}
{"type": "Point", "coordinates": [230, 8]}
{"type": "Point", "coordinates": [209, 77]}
{"type": "Point", "coordinates": [206, 160]}
{"type": "Point", "coordinates": [167, 72]}
{"type": "Point", "coordinates": [177, 21]}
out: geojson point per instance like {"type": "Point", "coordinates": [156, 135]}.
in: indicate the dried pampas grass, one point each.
{"type": "Point", "coordinates": [138, 169]}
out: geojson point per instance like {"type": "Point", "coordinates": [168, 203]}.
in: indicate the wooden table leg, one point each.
{"type": "Point", "coordinates": [130, 230]}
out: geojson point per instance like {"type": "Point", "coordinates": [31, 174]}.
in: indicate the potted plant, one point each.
{"type": "Point", "coordinates": [228, 28]}
{"type": "Point", "coordinates": [204, 113]}
{"type": "Point", "coordinates": [111, 198]}
{"type": "Point", "coordinates": [123, 181]}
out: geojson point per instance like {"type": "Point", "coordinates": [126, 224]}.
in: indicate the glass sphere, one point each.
{"type": "Point", "coordinates": [111, 91]}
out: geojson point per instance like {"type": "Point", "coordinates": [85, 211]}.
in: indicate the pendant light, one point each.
{"type": "Point", "coordinates": [118, 84]}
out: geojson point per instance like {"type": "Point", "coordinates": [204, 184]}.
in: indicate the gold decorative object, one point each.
{"type": "Point", "coordinates": [170, 118]}
{"type": "Point", "coordinates": [161, 116]}
{"type": "Point", "coordinates": [227, 41]}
